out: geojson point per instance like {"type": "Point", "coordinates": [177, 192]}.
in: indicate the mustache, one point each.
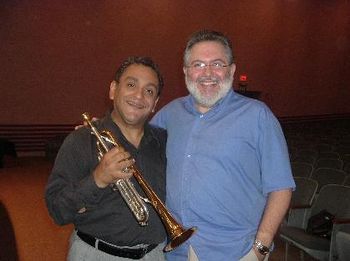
{"type": "Point", "coordinates": [202, 79]}
{"type": "Point", "coordinates": [135, 102]}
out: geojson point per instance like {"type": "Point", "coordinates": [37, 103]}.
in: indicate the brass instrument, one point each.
{"type": "Point", "coordinates": [135, 202]}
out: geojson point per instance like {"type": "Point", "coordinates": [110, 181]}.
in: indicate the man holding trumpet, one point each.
{"type": "Point", "coordinates": [79, 187]}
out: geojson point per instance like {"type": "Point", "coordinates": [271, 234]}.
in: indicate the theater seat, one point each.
{"type": "Point", "coordinates": [334, 199]}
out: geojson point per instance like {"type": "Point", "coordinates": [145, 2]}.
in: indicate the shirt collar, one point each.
{"type": "Point", "coordinates": [148, 135]}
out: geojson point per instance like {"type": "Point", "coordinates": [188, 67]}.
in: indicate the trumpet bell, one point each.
{"type": "Point", "coordinates": [179, 239]}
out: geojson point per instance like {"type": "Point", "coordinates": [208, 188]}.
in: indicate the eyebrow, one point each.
{"type": "Point", "coordinates": [137, 80]}
{"type": "Point", "coordinates": [215, 60]}
{"type": "Point", "coordinates": [131, 78]}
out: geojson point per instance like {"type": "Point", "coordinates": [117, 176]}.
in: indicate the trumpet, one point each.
{"type": "Point", "coordinates": [137, 204]}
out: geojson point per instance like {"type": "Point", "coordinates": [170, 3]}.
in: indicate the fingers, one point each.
{"type": "Point", "coordinates": [118, 155]}
{"type": "Point", "coordinates": [115, 164]}
{"type": "Point", "coordinates": [85, 123]}
{"type": "Point", "coordinates": [78, 126]}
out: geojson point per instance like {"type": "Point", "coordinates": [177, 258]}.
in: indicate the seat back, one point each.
{"type": "Point", "coordinates": [329, 155]}
{"type": "Point", "coordinates": [306, 155]}
{"type": "Point", "coordinates": [342, 150]}
{"type": "Point", "coordinates": [303, 195]}
{"type": "Point", "coordinates": [346, 158]}
{"type": "Point", "coordinates": [347, 181]}
{"type": "Point", "coordinates": [323, 147]}
{"type": "Point", "coordinates": [305, 191]}
{"type": "Point", "coordinates": [347, 167]}
{"type": "Point", "coordinates": [329, 163]}
{"type": "Point", "coordinates": [326, 176]}
{"type": "Point", "coordinates": [335, 199]}
{"type": "Point", "coordinates": [301, 169]}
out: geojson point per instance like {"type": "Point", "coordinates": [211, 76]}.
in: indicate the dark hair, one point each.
{"type": "Point", "coordinates": [207, 35]}
{"type": "Point", "coordinates": [146, 61]}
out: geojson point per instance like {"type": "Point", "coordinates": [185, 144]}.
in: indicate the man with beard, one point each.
{"type": "Point", "coordinates": [228, 170]}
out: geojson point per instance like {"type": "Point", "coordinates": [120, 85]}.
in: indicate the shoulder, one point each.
{"type": "Point", "coordinates": [174, 104]}
{"type": "Point", "coordinates": [254, 103]}
{"type": "Point", "coordinates": [169, 112]}
{"type": "Point", "coordinates": [252, 106]}
{"type": "Point", "coordinates": [158, 132]}
{"type": "Point", "coordinates": [76, 145]}
{"type": "Point", "coordinates": [77, 137]}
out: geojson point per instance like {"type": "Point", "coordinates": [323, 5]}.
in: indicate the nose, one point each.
{"type": "Point", "coordinates": [207, 69]}
{"type": "Point", "coordinates": [139, 93]}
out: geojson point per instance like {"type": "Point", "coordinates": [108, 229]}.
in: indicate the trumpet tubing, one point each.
{"type": "Point", "coordinates": [135, 202]}
{"type": "Point", "coordinates": [127, 190]}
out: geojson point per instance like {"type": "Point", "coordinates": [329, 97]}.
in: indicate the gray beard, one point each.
{"type": "Point", "coordinates": [206, 101]}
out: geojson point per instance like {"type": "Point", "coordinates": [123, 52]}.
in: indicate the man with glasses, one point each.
{"type": "Point", "coordinates": [228, 170]}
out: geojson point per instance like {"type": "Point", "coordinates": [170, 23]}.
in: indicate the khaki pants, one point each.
{"type": "Point", "coordinates": [252, 257]}
{"type": "Point", "coordinates": [248, 257]}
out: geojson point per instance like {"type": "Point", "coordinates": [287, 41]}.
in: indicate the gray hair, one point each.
{"type": "Point", "coordinates": [207, 35]}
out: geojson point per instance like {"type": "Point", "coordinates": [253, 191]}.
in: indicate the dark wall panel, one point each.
{"type": "Point", "coordinates": [57, 58]}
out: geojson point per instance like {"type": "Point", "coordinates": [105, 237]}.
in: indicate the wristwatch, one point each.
{"type": "Point", "coordinates": [264, 250]}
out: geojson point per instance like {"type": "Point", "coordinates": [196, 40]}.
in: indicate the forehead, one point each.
{"type": "Point", "coordinates": [140, 73]}
{"type": "Point", "coordinates": [208, 50]}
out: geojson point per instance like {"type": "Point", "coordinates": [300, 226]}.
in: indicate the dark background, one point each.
{"type": "Point", "coordinates": [57, 58]}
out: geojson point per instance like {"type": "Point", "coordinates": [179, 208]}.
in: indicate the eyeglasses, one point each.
{"type": "Point", "coordinates": [200, 66]}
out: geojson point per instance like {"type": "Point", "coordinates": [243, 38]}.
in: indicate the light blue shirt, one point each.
{"type": "Point", "coordinates": [221, 167]}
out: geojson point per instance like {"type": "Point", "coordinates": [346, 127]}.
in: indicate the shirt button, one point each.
{"type": "Point", "coordinates": [189, 156]}
{"type": "Point", "coordinates": [201, 116]}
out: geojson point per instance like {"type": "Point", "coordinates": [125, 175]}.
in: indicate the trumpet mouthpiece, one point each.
{"type": "Point", "coordinates": [86, 116]}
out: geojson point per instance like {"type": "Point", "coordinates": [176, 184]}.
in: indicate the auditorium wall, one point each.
{"type": "Point", "coordinates": [57, 58]}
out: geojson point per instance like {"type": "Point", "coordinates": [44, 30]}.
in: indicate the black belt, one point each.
{"type": "Point", "coordinates": [131, 253]}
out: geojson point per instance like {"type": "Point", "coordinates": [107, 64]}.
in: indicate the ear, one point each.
{"type": "Point", "coordinates": [155, 104]}
{"type": "Point", "coordinates": [233, 69]}
{"type": "Point", "coordinates": [184, 69]}
{"type": "Point", "coordinates": [112, 89]}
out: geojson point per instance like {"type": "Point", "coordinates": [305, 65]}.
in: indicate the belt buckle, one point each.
{"type": "Point", "coordinates": [137, 253]}
{"type": "Point", "coordinates": [145, 250]}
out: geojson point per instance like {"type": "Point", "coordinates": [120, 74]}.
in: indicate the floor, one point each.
{"type": "Point", "coordinates": [277, 255]}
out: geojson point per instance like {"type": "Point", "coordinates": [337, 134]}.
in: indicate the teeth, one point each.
{"type": "Point", "coordinates": [139, 106]}
{"type": "Point", "coordinates": [208, 83]}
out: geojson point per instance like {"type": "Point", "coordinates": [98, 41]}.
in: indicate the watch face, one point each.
{"type": "Point", "coordinates": [261, 248]}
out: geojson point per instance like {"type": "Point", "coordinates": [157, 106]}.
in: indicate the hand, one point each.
{"type": "Point", "coordinates": [85, 124]}
{"type": "Point", "coordinates": [258, 255]}
{"type": "Point", "coordinates": [112, 167]}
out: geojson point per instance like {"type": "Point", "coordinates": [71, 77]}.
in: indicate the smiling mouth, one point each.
{"type": "Point", "coordinates": [136, 105]}
{"type": "Point", "coordinates": [208, 81]}
{"type": "Point", "coordinates": [208, 85]}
